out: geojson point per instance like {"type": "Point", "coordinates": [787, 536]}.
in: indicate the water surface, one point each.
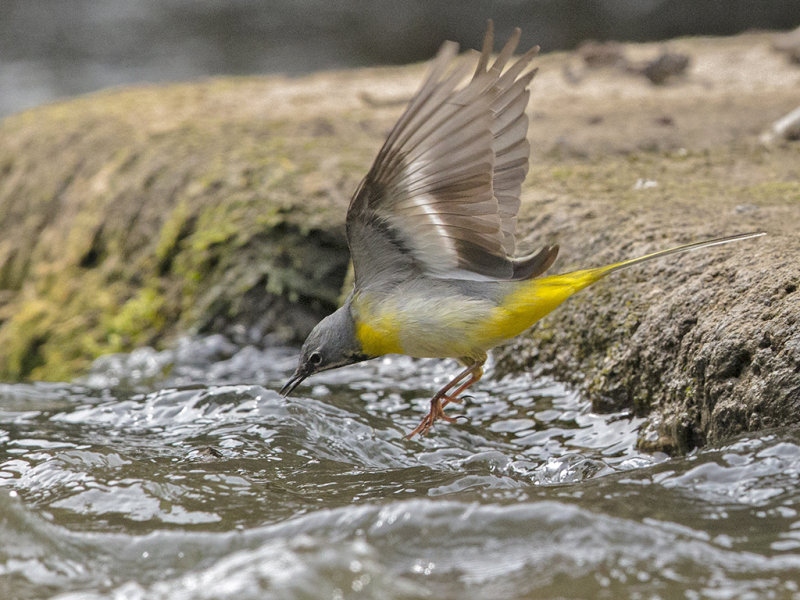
{"type": "Point", "coordinates": [184, 475]}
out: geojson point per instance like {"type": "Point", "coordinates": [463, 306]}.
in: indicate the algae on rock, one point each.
{"type": "Point", "coordinates": [127, 220]}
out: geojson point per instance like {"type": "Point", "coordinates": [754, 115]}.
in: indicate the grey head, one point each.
{"type": "Point", "coordinates": [331, 344]}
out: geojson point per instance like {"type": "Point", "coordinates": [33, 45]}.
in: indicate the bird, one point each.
{"type": "Point", "coordinates": [431, 231]}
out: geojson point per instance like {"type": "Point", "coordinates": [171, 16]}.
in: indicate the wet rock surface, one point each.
{"type": "Point", "coordinates": [133, 216]}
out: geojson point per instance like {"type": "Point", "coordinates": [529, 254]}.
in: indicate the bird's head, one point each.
{"type": "Point", "coordinates": [331, 344]}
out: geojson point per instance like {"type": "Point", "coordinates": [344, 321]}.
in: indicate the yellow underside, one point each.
{"type": "Point", "coordinates": [402, 327]}
{"type": "Point", "coordinates": [380, 335]}
{"type": "Point", "coordinates": [532, 300]}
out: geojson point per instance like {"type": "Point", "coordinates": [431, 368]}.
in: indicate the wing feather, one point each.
{"type": "Point", "coordinates": [442, 196]}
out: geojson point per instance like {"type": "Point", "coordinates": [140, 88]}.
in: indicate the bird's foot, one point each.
{"type": "Point", "coordinates": [436, 412]}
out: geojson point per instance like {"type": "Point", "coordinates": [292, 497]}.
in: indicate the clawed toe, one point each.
{"type": "Point", "coordinates": [436, 412]}
{"type": "Point", "coordinates": [421, 429]}
{"type": "Point", "coordinates": [444, 396]}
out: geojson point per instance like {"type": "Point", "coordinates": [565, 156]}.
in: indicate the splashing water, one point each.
{"type": "Point", "coordinates": [183, 474]}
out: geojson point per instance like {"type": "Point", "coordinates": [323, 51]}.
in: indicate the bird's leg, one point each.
{"type": "Point", "coordinates": [475, 371]}
{"type": "Point", "coordinates": [436, 405]}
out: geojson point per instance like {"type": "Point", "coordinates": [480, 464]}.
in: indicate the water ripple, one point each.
{"type": "Point", "coordinates": [183, 474]}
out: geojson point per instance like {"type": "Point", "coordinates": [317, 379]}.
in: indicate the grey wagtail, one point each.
{"type": "Point", "coordinates": [431, 232]}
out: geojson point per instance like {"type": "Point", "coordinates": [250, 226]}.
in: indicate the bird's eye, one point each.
{"type": "Point", "coordinates": [315, 358]}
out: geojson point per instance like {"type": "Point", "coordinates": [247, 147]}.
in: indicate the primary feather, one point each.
{"type": "Point", "coordinates": [442, 197]}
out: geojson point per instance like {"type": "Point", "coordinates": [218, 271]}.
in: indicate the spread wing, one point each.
{"type": "Point", "coordinates": [442, 196]}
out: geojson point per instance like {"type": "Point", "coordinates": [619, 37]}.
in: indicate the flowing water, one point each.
{"type": "Point", "coordinates": [183, 474]}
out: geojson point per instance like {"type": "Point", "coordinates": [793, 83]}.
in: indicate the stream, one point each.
{"type": "Point", "coordinates": [183, 474]}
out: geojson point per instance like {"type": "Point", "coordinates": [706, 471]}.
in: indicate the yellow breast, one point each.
{"type": "Point", "coordinates": [378, 334]}
{"type": "Point", "coordinates": [424, 326]}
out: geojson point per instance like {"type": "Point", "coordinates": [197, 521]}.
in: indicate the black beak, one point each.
{"type": "Point", "coordinates": [295, 380]}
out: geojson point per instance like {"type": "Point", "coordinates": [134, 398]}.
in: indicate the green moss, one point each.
{"type": "Point", "coordinates": [563, 174]}
{"type": "Point", "coordinates": [766, 193]}
{"type": "Point", "coordinates": [138, 232]}
{"type": "Point", "coordinates": [137, 318]}
{"type": "Point", "coordinates": [24, 336]}
{"type": "Point", "coordinates": [175, 228]}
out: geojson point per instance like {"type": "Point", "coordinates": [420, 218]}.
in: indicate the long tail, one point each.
{"type": "Point", "coordinates": [603, 271]}
{"type": "Point", "coordinates": [534, 298]}
{"type": "Point", "coordinates": [577, 280]}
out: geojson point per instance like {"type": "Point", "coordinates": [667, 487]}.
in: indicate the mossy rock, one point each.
{"type": "Point", "coordinates": [133, 215]}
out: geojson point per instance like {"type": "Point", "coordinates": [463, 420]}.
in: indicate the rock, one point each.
{"type": "Point", "coordinates": [666, 66]}
{"type": "Point", "coordinates": [787, 128]}
{"type": "Point", "coordinates": [789, 44]}
{"type": "Point", "coordinates": [597, 55]}
{"type": "Point", "coordinates": [602, 55]}
{"type": "Point", "coordinates": [134, 216]}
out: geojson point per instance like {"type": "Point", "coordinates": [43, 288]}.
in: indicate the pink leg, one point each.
{"type": "Point", "coordinates": [475, 372]}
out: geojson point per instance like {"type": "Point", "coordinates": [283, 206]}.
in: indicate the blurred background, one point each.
{"type": "Point", "coordinates": [59, 48]}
